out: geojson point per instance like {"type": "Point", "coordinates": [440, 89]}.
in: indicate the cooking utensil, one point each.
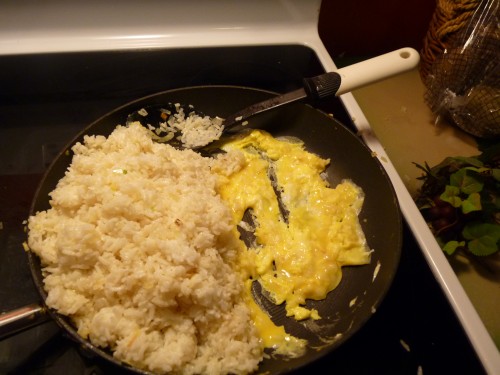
{"type": "Point", "coordinates": [314, 90]}
{"type": "Point", "coordinates": [352, 303]}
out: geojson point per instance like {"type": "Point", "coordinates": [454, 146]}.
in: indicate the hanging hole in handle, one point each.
{"type": "Point", "coordinates": [405, 54]}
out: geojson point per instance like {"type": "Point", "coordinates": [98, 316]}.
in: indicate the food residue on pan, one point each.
{"type": "Point", "coordinates": [404, 345]}
{"type": "Point", "coordinates": [376, 270]}
{"type": "Point", "coordinates": [140, 247]}
{"type": "Point", "coordinates": [353, 301]}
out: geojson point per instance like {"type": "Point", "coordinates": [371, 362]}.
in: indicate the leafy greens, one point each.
{"type": "Point", "coordinates": [460, 200]}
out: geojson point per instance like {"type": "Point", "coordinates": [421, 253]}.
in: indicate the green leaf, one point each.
{"type": "Point", "coordinates": [471, 160]}
{"type": "Point", "coordinates": [467, 182]}
{"type": "Point", "coordinates": [451, 246]}
{"type": "Point", "coordinates": [457, 162]}
{"type": "Point", "coordinates": [483, 238]}
{"type": "Point", "coordinates": [477, 229]}
{"type": "Point", "coordinates": [483, 246]}
{"type": "Point", "coordinates": [472, 203]}
{"type": "Point", "coordinates": [450, 195]}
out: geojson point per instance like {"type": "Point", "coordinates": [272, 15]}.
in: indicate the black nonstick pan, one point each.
{"type": "Point", "coordinates": [356, 299]}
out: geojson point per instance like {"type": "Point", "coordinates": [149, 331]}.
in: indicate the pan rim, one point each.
{"type": "Point", "coordinates": [63, 321]}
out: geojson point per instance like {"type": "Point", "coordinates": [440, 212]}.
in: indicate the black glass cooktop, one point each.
{"type": "Point", "coordinates": [45, 100]}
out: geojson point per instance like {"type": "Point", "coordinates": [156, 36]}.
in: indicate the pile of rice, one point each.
{"type": "Point", "coordinates": [138, 250]}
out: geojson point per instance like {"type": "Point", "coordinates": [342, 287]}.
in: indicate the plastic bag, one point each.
{"type": "Point", "coordinates": [463, 84]}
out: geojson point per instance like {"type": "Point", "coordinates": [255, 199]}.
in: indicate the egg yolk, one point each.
{"type": "Point", "coordinates": [304, 230]}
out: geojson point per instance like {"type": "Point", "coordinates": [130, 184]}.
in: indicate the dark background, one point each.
{"type": "Point", "coordinates": [371, 27]}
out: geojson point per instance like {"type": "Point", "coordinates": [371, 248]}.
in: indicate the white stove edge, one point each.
{"type": "Point", "coordinates": [71, 25]}
{"type": "Point", "coordinates": [51, 43]}
{"type": "Point", "coordinates": [305, 34]}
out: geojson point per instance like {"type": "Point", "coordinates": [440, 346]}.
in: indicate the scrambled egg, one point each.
{"type": "Point", "coordinates": [304, 230]}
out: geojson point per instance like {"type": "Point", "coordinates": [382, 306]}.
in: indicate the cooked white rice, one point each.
{"type": "Point", "coordinates": [191, 129]}
{"type": "Point", "coordinates": [137, 249]}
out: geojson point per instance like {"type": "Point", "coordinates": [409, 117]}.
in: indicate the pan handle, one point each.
{"type": "Point", "coordinates": [16, 321]}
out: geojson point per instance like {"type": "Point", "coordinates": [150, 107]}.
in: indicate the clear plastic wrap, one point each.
{"type": "Point", "coordinates": [463, 84]}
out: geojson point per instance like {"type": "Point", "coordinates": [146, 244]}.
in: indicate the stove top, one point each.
{"type": "Point", "coordinates": [71, 62]}
{"type": "Point", "coordinates": [48, 98]}
{"type": "Point", "coordinates": [58, 94]}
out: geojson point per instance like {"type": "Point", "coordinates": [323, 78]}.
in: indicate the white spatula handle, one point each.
{"type": "Point", "coordinates": [361, 74]}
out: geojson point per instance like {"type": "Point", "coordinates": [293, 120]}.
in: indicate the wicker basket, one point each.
{"type": "Point", "coordinates": [448, 18]}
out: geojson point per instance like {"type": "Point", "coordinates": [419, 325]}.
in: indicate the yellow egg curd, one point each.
{"type": "Point", "coordinates": [302, 242]}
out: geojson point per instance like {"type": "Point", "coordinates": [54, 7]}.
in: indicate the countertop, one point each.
{"type": "Point", "coordinates": [409, 133]}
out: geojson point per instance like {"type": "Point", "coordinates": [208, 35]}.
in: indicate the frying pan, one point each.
{"type": "Point", "coordinates": [362, 289]}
